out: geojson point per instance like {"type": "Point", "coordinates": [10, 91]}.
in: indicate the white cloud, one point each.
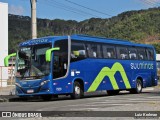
{"type": "Point", "coordinates": [17, 10]}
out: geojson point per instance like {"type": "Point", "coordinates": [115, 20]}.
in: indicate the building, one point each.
{"type": "Point", "coordinates": [4, 43]}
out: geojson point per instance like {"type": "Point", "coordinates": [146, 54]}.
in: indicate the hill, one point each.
{"type": "Point", "coordinates": [141, 26]}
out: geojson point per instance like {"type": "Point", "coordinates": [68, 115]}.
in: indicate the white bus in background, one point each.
{"type": "Point", "coordinates": [158, 65]}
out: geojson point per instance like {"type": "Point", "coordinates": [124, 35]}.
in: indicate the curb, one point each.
{"type": "Point", "coordinates": [7, 98]}
{"type": "Point", "coordinates": [12, 99]}
{"type": "Point", "coordinates": [4, 100]}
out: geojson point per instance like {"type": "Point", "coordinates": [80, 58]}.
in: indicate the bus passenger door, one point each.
{"type": "Point", "coordinates": [60, 59]}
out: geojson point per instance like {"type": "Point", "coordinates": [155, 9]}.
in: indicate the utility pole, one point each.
{"type": "Point", "coordinates": [34, 19]}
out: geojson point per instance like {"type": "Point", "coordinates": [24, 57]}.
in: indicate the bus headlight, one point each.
{"type": "Point", "coordinates": [17, 84]}
{"type": "Point", "coordinates": [44, 82]}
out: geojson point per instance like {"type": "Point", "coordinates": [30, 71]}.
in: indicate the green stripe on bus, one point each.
{"type": "Point", "coordinates": [110, 73]}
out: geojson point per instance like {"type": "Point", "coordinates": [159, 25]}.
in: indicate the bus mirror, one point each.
{"type": "Point", "coordinates": [6, 59]}
{"type": "Point", "coordinates": [48, 53]}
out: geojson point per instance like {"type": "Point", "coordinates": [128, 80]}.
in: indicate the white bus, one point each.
{"type": "Point", "coordinates": [158, 65]}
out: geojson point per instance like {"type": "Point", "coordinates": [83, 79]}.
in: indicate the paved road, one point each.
{"type": "Point", "coordinates": [94, 101]}
{"type": "Point", "coordinates": [148, 100]}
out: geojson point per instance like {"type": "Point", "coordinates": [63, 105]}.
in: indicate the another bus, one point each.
{"type": "Point", "coordinates": [73, 65]}
{"type": "Point", "coordinates": [158, 65]}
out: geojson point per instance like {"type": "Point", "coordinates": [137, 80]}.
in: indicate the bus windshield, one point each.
{"type": "Point", "coordinates": [31, 62]}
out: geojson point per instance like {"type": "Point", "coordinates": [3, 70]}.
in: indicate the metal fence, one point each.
{"type": "Point", "coordinates": [7, 80]}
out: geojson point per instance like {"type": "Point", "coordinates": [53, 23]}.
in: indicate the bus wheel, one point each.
{"type": "Point", "coordinates": [138, 88]}
{"type": "Point", "coordinates": [77, 91]}
{"type": "Point", "coordinates": [46, 97]}
{"type": "Point", "coordinates": [112, 92]}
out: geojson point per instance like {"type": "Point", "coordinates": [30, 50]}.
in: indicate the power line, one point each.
{"type": "Point", "coordinates": [52, 5]}
{"type": "Point", "coordinates": [88, 8]}
{"type": "Point", "coordinates": [153, 2]}
{"type": "Point", "coordinates": [150, 3]}
{"type": "Point", "coordinates": [72, 8]}
{"type": "Point", "coordinates": [49, 3]}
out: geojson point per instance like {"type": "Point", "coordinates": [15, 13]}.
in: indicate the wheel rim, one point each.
{"type": "Point", "coordinates": [77, 90]}
{"type": "Point", "coordinates": [139, 87]}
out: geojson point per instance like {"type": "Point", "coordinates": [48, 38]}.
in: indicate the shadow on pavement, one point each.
{"type": "Point", "coordinates": [64, 97]}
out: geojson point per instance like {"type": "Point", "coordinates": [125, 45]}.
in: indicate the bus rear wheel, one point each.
{"type": "Point", "coordinates": [77, 91]}
{"type": "Point", "coordinates": [138, 88]}
{"type": "Point", "coordinates": [112, 92]}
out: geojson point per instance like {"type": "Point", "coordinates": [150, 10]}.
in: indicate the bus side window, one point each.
{"type": "Point", "coordinates": [141, 54]}
{"type": "Point", "coordinates": [91, 50]}
{"type": "Point", "coordinates": [150, 54]}
{"type": "Point", "coordinates": [78, 51]}
{"type": "Point", "coordinates": [109, 52]}
{"type": "Point", "coordinates": [132, 53]}
{"type": "Point", "coordinates": [122, 52]}
{"type": "Point", "coordinates": [94, 50]}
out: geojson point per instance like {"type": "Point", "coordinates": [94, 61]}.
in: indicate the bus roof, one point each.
{"type": "Point", "coordinates": [50, 39]}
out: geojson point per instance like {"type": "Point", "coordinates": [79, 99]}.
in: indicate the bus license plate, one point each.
{"type": "Point", "coordinates": [30, 91]}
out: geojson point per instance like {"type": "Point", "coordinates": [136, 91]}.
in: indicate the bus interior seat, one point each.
{"type": "Point", "coordinates": [123, 56]}
{"type": "Point", "coordinates": [94, 54]}
{"type": "Point", "coordinates": [108, 54]}
{"type": "Point", "coordinates": [141, 56]}
{"type": "Point", "coordinates": [132, 56]}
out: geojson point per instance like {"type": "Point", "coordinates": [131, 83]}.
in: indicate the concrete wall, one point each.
{"type": "Point", "coordinates": [3, 43]}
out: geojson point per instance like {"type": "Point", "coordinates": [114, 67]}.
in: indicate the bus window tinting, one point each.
{"type": "Point", "coordinates": [122, 52]}
{"type": "Point", "coordinates": [78, 51]}
{"type": "Point", "coordinates": [132, 53]}
{"type": "Point", "coordinates": [109, 51]}
{"type": "Point", "coordinates": [94, 50]}
{"type": "Point", "coordinates": [141, 54]}
{"type": "Point", "coordinates": [150, 54]}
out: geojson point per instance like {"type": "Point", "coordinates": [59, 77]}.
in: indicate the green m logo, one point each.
{"type": "Point", "coordinates": [110, 73]}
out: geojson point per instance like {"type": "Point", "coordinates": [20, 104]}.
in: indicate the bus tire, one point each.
{"type": "Point", "coordinates": [77, 91]}
{"type": "Point", "coordinates": [46, 97]}
{"type": "Point", "coordinates": [138, 88]}
{"type": "Point", "coordinates": [112, 92]}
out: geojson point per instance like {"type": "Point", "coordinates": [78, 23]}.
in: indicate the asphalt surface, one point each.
{"type": "Point", "coordinates": [148, 100]}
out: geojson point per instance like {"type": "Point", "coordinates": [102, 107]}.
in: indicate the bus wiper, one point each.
{"type": "Point", "coordinates": [39, 76]}
{"type": "Point", "coordinates": [32, 77]}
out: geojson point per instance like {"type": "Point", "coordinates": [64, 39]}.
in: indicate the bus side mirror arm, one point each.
{"type": "Point", "coordinates": [6, 59]}
{"type": "Point", "coordinates": [48, 53]}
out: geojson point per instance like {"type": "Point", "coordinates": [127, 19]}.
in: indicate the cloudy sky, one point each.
{"type": "Point", "coordinates": [78, 9]}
